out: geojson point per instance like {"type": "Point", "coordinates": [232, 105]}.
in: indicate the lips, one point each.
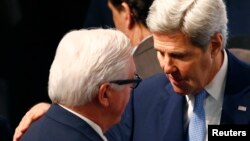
{"type": "Point", "coordinates": [175, 80]}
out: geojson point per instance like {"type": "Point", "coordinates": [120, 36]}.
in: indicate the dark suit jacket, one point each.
{"type": "Point", "coordinates": [59, 124]}
{"type": "Point", "coordinates": [155, 112]}
{"type": "Point", "coordinates": [145, 58]}
{"type": "Point", "coordinates": [5, 130]}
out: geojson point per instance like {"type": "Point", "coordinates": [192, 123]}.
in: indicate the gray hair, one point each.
{"type": "Point", "coordinates": [85, 59]}
{"type": "Point", "coordinates": [198, 19]}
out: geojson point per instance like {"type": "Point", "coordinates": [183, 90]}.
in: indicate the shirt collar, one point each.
{"type": "Point", "coordinates": [96, 127]}
{"type": "Point", "coordinates": [216, 87]}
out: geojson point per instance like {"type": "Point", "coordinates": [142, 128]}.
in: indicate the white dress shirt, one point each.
{"type": "Point", "coordinates": [213, 103]}
{"type": "Point", "coordinates": [96, 127]}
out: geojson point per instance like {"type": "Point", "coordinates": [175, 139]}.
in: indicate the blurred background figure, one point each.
{"type": "Point", "coordinates": [129, 16]}
{"type": "Point", "coordinates": [98, 15]}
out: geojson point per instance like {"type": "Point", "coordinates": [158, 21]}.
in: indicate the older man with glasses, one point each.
{"type": "Point", "coordinates": [89, 85]}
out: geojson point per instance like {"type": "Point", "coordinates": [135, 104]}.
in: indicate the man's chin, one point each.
{"type": "Point", "coordinates": [180, 91]}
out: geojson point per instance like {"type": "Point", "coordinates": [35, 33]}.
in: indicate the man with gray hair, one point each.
{"type": "Point", "coordinates": [203, 83]}
{"type": "Point", "coordinates": [90, 82]}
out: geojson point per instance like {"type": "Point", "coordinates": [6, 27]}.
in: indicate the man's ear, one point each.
{"type": "Point", "coordinates": [216, 44]}
{"type": "Point", "coordinates": [103, 95]}
{"type": "Point", "coordinates": [128, 15]}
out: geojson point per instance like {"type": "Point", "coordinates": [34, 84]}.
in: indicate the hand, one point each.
{"type": "Point", "coordinates": [32, 115]}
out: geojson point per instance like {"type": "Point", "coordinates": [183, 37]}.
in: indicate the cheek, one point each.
{"type": "Point", "coordinates": [126, 97]}
{"type": "Point", "coordinates": [116, 23]}
{"type": "Point", "coordinates": [160, 59]}
{"type": "Point", "coordinates": [118, 106]}
{"type": "Point", "coordinates": [195, 72]}
{"type": "Point", "coordinates": [207, 70]}
{"type": "Point", "coordinates": [190, 72]}
{"type": "Point", "coordinates": [116, 20]}
{"type": "Point", "coordinates": [206, 62]}
{"type": "Point", "coordinates": [124, 101]}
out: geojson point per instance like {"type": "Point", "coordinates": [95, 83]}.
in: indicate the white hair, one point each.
{"type": "Point", "coordinates": [85, 59]}
{"type": "Point", "coordinates": [198, 19]}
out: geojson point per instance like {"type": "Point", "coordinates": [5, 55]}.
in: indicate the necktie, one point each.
{"type": "Point", "coordinates": [197, 124]}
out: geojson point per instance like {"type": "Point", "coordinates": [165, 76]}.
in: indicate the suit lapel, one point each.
{"type": "Point", "coordinates": [145, 57]}
{"type": "Point", "coordinates": [144, 46]}
{"type": "Point", "coordinates": [174, 121]}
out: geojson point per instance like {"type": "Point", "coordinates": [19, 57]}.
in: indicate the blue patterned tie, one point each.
{"type": "Point", "coordinates": [197, 124]}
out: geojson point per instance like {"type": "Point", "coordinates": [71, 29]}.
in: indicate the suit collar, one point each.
{"type": "Point", "coordinates": [144, 46]}
{"type": "Point", "coordinates": [69, 119]}
{"type": "Point", "coordinates": [96, 127]}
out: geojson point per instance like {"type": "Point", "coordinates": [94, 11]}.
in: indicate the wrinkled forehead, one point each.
{"type": "Point", "coordinates": [168, 40]}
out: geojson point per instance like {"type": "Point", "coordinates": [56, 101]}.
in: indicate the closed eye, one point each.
{"type": "Point", "coordinates": [178, 55]}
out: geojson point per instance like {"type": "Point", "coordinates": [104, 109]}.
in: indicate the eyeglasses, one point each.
{"type": "Point", "coordinates": [136, 81]}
